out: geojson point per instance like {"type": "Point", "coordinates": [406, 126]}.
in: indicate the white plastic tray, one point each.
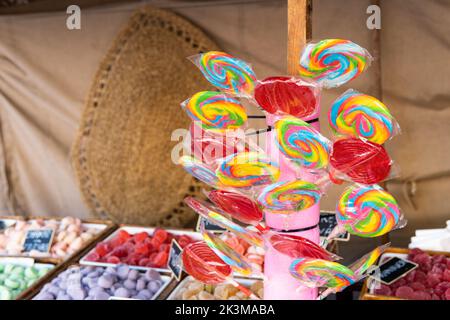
{"type": "Point", "coordinates": [134, 230]}
{"type": "Point", "coordinates": [244, 281]}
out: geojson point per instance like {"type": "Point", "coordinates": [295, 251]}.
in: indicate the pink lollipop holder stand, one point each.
{"type": "Point", "coordinates": [278, 283]}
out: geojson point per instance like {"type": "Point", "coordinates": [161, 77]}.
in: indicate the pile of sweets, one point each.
{"type": "Point", "coordinates": [100, 283]}
{"type": "Point", "coordinates": [14, 279]}
{"type": "Point", "coordinates": [70, 236]}
{"type": "Point", "coordinates": [430, 281]}
{"type": "Point", "coordinates": [254, 254]}
{"type": "Point", "coordinates": [192, 289]}
{"type": "Point", "coordinates": [140, 249]}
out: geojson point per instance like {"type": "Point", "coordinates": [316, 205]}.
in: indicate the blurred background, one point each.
{"type": "Point", "coordinates": [48, 77]}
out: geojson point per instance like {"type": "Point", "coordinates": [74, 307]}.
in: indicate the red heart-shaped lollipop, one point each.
{"type": "Point", "coordinates": [363, 161]}
{"type": "Point", "coordinates": [287, 95]}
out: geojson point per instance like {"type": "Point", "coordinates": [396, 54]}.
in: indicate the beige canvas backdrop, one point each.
{"type": "Point", "coordinates": [46, 71]}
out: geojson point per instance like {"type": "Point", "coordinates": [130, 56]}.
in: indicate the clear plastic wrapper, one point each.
{"type": "Point", "coordinates": [285, 197]}
{"type": "Point", "coordinates": [360, 161]}
{"type": "Point", "coordinates": [367, 211]}
{"type": "Point", "coordinates": [199, 170]}
{"type": "Point", "coordinates": [359, 115]}
{"type": "Point", "coordinates": [213, 214]}
{"type": "Point", "coordinates": [234, 259]}
{"type": "Point", "coordinates": [301, 143]}
{"type": "Point", "coordinates": [210, 147]}
{"type": "Point", "coordinates": [200, 261]}
{"type": "Point", "coordinates": [333, 62]}
{"type": "Point", "coordinates": [227, 73]}
{"type": "Point", "coordinates": [287, 95]}
{"type": "Point", "coordinates": [215, 111]}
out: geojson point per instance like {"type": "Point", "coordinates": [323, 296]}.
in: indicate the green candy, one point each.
{"type": "Point", "coordinates": [2, 267]}
{"type": "Point", "coordinates": [9, 268]}
{"type": "Point", "coordinates": [31, 273]}
{"type": "Point", "coordinates": [18, 270]}
{"type": "Point", "coordinates": [12, 284]}
{"type": "Point", "coordinates": [42, 272]}
{"type": "Point", "coordinates": [5, 293]}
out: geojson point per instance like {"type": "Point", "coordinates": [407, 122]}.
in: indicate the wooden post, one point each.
{"type": "Point", "coordinates": [299, 31]}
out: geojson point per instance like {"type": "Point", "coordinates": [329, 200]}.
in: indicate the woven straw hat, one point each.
{"type": "Point", "coordinates": [122, 154]}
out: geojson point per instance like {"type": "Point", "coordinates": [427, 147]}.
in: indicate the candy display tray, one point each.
{"type": "Point", "coordinates": [38, 263]}
{"type": "Point", "coordinates": [165, 276]}
{"type": "Point", "coordinates": [367, 293]}
{"type": "Point", "coordinates": [244, 281]}
{"type": "Point", "coordinates": [136, 229]}
{"type": "Point", "coordinates": [105, 228]}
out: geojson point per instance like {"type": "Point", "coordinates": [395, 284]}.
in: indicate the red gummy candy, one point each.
{"type": "Point", "coordinates": [143, 262]}
{"type": "Point", "coordinates": [433, 280]}
{"type": "Point", "coordinates": [102, 249]}
{"type": "Point", "coordinates": [156, 243]}
{"type": "Point", "coordinates": [286, 95]}
{"type": "Point", "coordinates": [418, 286]}
{"type": "Point", "coordinates": [446, 275]}
{"type": "Point", "coordinates": [142, 249]}
{"type": "Point", "coordinates": [447, 294]}
{"type": "Point", "coordinates": [140, 237]}
{"type": "Point", "coordinates": [421, 295]}
{"type": "Point", "coordinates": [404, 292]}
{"type": "Point", "coordinates": [422, 258]}
{"type": "Point", "coordinates": [160, 234]}
{"type": "Point", "coordinates": [165, 247]}
{"type": "Point", "coordinates": [237, 205]}
{"type": "Point", "coordinates": [123, 235]}
{"type": "Point", "coordinates": [113, 259]}
{"type": "Point", "coordinates": [435, 297]}
{"type": "Point", "coordinates": [160, 260]}
{"type": "Point", "coordinates": [93, 256]}
{"type": "Point", "coordinates": [420, 276]}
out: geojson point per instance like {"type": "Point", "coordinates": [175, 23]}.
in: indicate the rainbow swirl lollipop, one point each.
{"type": "Point", "coordinates": [367, 211]}
{"type": "Point", "coordinates": [316, 273]}
{"type": "Point", "coordinates": [301, 143]}
{"type": "Point", "coordinates": [213, 214]}
{"type": "Point", "coordinates": [231, 75]}
{"type": "Point", "coordinates": [361, 116]}
{"type": "Point", "coordinates": [235, 260]}
{"type": "Point", "coordinates": [333, 62]}
{"type": "Point", "coordinates": [199, 170]}
{"type": "Point", "coordinates": [216, 111]}
{"type": "Point", "coordinates": [289, 196]}
{"type": "Point", "coordinates": [247, 169]}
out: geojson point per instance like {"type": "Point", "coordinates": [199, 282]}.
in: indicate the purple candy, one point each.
{"type": "Point", "coordinates": [101, 296]}
{"type": "Point", "coordinates": [44, 296]}
{"type": "Point", "coordinates": [122, 293]}
{"type": "Point", "coordinates": [122, 271]}
{"type": "Point", "coordinates": [151, 274]}
{"type": "Point", "coordinates": [146, 294]}
{"type": "Point", "coordinates": [76, 293]}
{"type": "Point", "coordinates": [153, 285]}
{"type": "Point", "coordinates": [133, 274]}
{"type": "Point", "coordinates": [141, 284]}
{"type": "Point", "coordinates": [129, 284]}
{"type": "Point", "coordinates": [105, 281]}
{"type": "Point", "coordinates": [95, 290]}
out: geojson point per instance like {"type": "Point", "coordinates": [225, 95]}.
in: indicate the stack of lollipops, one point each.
{"type": "Point", "coordinates": [245, 182]}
